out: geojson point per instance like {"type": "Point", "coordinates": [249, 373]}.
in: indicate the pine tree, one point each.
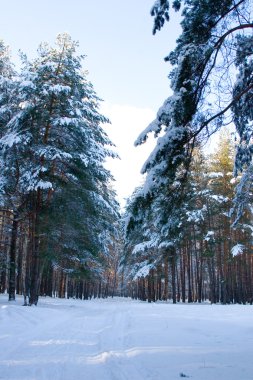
{"type": "Point", "coordinates": [8, 105]}
{"type": "Point", "coordinates": [215, 43]}
{"type": "Point", "coordinates": [6, 86]}
{"type": "Point", "coordinates": [208, 48]}
{"type": "Point", "coordinates": [56, 148]}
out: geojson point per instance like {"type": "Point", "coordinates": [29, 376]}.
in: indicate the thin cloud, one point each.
{"type": "Point", "coordinates": [127, 123]}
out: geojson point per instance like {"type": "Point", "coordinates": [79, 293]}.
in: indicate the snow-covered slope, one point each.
{"type": "Point", "coordinates": [121, 339]}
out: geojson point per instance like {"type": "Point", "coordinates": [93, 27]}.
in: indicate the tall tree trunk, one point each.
{"type": "Point", "coordinates": [34, 286]}
{"type": "Point", "coordinates": [12, 266]}
{"type": "Point", "coordinates": [4, 247]}
{"type": "Point", "coordinates": [35, 260]}
{"type": "Point", "coordinates": [189, 272]}
{"type": "Point", "coordinates": [173, 274]}
{"type": "Point", "coordinates": [182, 272]}
{"type": "Point", "coordinates": [149, 288]}
{"type": "Point", "coordinates": [166, 278]}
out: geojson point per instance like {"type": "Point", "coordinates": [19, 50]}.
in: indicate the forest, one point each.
{"type": "Point", "coordinates": [186, 233]}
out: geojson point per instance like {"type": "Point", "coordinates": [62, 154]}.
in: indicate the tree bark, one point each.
{"type": "Point", "coordinates": [12, 266]}
{"type": "Point", "coordinates": [173, 275]}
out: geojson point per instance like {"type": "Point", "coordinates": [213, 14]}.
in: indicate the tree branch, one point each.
{"type": "Point", "coordinates": [222, 112]}
{"type": "Point", "coordinates": [230, 31]}
{"type": "Point", "coordinates": [229, 11]}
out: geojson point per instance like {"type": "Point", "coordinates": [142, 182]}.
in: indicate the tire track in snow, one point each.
{"type": "Point", "coordinates": [115, 353]}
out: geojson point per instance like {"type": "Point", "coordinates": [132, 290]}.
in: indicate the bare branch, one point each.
{"type": "Point", "coordinates": [222, 112]}
{"type": "Point", "coordinates": [230, 31]}
{"type": "Point", "coordinates": [229, 11]}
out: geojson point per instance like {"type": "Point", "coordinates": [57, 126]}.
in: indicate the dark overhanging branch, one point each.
{"type": "Point", "coordinates": [224, 110]}
{"type": "Point", "coordinates": [206, 70]}
{"type": "Point", "coordinates": [229, 11]}
{"type": "Point", "coordinates": [217, 48]}
{"type": "Point", "coordinates": [239, 15]}
{"type": "Point", "coordinates": [201, 83]}
{"type": "Point", "coordinates": [230, 31]}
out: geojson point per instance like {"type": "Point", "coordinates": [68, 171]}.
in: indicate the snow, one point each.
{"type": "Point", "coordinates": [10, 139]}
{"type": "Point", "coordinates": [27, 83]}
{"type": "Point", "coordinates": [237, 249]}
{"type": "Point", "coordinates": [141, 247]}
{"type": "Point", "coordinates": [248, 227]}
{"type": "Point", "coordinates": [61, 155]}
{"type": "Point", "coordinates": [84, 159]}
{"type": "Point", "coordinates": [57, 89]}
{"type": "Point", "coordinates": [209, 235]}
{"type": "Point", "coordinates": [143, 271]}
{"type": "Point", "coordinates": [65, 121]}
{"type": "Point", "coordinates": [196, 215]}
{"type": "Point", "coordinates": [215, 175]}
{"type": "Point", "coordinates": [166, 244]}
{"type": "Point", "coordinates": [44, 185]}
{"type": "Point", "coordinates": [219, 198]}
{"type": "Point", "coordinates": [172, 136]}
{"type": "Point", "coordinates": [121, 339]}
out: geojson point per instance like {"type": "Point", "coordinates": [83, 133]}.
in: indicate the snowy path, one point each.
{"type": "Point", "coordinates": [121, 339]}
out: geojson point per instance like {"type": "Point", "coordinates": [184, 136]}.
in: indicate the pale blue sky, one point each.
{"type": "Point", "coordinates": [124, 60]}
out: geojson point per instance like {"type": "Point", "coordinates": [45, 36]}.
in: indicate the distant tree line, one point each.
{"type": "Point", "coordinates": [197, 255]}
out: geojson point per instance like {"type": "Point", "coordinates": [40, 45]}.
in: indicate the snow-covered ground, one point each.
{"type": "Point", "coordinates": [120, 339]}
